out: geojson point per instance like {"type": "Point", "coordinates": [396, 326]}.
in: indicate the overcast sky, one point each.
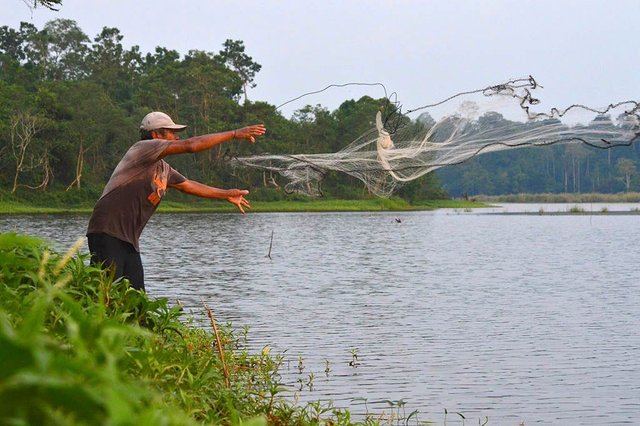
{"type": "Point", "coordinates": [581, 51]}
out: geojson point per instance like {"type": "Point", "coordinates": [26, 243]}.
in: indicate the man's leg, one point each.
{"type": "Point", "coordinates": [117, 254]}
{"type": "Point", "coordinates": [106, 251]}
{"type": "Point", "coordinates": [133, 270]}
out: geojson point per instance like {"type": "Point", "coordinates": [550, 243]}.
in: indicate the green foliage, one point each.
{"type": "Point", "coordinates": [234, 56]}
{"type": "Point", "coordinates": [427, 188]}
{"type": "Point", "coordinates": [67, 335]}
{"type": "Point", "coordinates": [87, 96]}
{"type": "Point", "coordinates": [83, 197]}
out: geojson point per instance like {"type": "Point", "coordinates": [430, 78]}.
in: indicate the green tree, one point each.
{"type": "Point", "coordinates": [69, 109]}
{"type": "Point", "coordinates": [477, 180]}
{"type": "Point", "coordinates": [317, 130]}
{"type": "Point", "coordinates": [13, 44]}
{"type": "Point", "coordinates": [15, 63]}
{"type": "Point", "coordinates": [56, 52]}
{"type": "Point", "coordinates": [209, 92]}
{"type": "Point", "coordinates": [426, 119]}
{"type": "Point", "coordinates": [90, 134]}
{"type": "Point", "coordinates": [234, 56]}
{"type": "Point", "coordinates": [162, 83]}
{"type": "Point", "coordinates": [67, 50]}
{"type": "Point", "coordinates": [114, 67]}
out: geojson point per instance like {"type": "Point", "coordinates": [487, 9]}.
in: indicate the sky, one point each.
{"type": "Point", "coordinates": [580, 51]}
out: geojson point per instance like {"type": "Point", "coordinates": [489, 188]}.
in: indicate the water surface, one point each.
{"type": "Point", "coordinates": [521, 318]}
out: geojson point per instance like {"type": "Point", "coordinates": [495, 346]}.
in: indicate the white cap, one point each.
{"type": "Point", "coordinates": [159, 120]}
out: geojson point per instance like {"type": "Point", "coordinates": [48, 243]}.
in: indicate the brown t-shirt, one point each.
{"type": "Point", "coordinates": [133, 192]}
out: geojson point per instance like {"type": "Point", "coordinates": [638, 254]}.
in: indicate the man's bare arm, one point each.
{"type": "Point", "coordinates": [234, 196]}
{"type": "Point", "coordinates": [204, 142]}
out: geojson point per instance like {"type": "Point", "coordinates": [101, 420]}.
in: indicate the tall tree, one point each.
{"type": "Point", "coordinates": [15, 63]}
{"type": "Point", "coordinates": [114, 67]}
{"type": "Point", "coordinates": [67, 49]}
{"type": "Point", "coordinates": [23, 128]}
{"type": "Point", "coordinates": [13, 44]}
{"type": "Point", "coordinates": [234, 56]}
{"type": "Point", "coordinates": [627, 169]}
{"type": "Point", "coordinates": [162, 82]}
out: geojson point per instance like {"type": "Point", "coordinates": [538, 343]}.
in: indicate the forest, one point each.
{"type": "Point", "coordinates": [559, 169]}
{"type": "Point", "coordinates": [70, 106]}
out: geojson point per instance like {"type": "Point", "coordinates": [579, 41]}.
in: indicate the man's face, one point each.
{"type": "Point", "coordinates": [167, 134]}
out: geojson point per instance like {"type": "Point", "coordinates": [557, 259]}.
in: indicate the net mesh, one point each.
{"type": "Point", "coordinates": [398, 149]}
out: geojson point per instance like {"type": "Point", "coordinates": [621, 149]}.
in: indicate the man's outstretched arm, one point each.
{"type": "Point", "coordinates": [204, 142]}
{"type": "Point", "coordinates": [234, 196]}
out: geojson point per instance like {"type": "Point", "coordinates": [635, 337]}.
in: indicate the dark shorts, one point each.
{"type": "Point", "coordinates": [119, 255]}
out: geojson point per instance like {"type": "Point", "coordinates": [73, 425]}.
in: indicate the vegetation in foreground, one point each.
{"type": "Point", "coordinates": [78, 348]}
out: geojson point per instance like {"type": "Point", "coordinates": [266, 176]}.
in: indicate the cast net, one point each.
{"type": "Point", "coordinates": [398, 149]}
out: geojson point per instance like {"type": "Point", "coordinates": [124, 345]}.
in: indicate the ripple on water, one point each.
{"type": "Point", "coordinates": [519, 318]}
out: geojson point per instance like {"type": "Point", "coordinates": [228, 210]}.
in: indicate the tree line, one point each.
{"type": "Point", "coordinates": [569, 168]}
{"type": "Point", "coordinates": [70, 107]}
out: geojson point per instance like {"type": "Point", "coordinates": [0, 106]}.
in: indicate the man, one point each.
{"type": "Point", "coordinates": [139, 182]}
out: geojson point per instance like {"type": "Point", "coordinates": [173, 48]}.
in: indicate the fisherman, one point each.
{"type": "Point", "coordinates": [139, 182]}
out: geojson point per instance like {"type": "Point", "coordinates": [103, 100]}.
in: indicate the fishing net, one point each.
{"type": "Point", "coordinates": [398, 149]}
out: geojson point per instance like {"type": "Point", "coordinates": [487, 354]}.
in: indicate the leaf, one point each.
{"type": "Point", "coordinates": [13, 357]}
{"type": "Point", "coordinates": [413, 413]}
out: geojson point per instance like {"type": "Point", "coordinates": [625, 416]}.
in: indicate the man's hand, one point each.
{"type": "Point", "coordinates": [249, 133]}
{"type": "Point", "coordinates": [236, 197]}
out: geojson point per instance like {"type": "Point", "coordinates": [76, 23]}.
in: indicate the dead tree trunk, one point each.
{"type": "Point", "coordinates": [79, 167]}
{"type": "Point", "coordinates": [24, 126]}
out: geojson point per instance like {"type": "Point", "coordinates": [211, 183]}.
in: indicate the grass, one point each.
{"type": "Point", "coordinates": [623, 197]}
{"type": "Point", "coordinates": [18, 207]}
{"type": "Point", "coordinates": [376, 204]}
{"type": "Point", "coordinates": [312, 205]}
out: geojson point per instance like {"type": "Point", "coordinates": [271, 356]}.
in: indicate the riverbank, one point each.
{"type": "Point", "coordinates": [622, 197]}
{"type": "Point", "coordinates": [55, 205]}
{"type": "Point", "coordinates": [206, 206]}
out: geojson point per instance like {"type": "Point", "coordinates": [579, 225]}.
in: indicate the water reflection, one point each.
{"type": "Point", "coordinates": [520, 318]}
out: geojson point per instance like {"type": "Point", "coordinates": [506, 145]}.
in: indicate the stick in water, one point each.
{"type": "Point", "coordinates": [270, 245]}
{"type": "Point", "coordinates": [219, 344]}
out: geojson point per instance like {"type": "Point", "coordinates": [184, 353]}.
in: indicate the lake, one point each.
{"type": "Point", "coordinates": [500, 313]}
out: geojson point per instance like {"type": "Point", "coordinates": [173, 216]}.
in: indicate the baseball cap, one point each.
{"type": "Point", "coordinates": [159, 120]}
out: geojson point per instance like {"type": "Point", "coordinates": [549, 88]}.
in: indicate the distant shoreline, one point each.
{"type": "Point", "coordinates": [568, 213]}
{"type": "Point", "coordinates": [200, 206]}
{"type": "Point", "coordinates": [623, 197]}
{"type": "Point", "coordinates": [331, 205]}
